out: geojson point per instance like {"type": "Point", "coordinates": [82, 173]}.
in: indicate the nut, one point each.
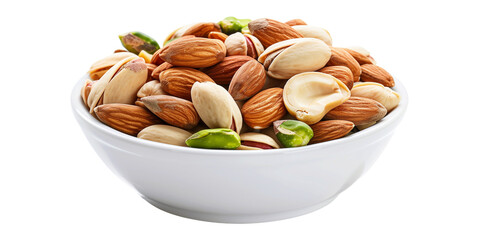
{"type": "Point", "coordinates": [243, 44]}
{"type": "Point", "coordinates": [198, 30]}
{"type": "Point", "coordinates": [219, 138]}
{"type": "Point", "coordinates": [263, 109]}
{"type": "Point", "coordinates": [292, 133]}
{"type": "Point", "coordinates": [174, 111]}
{"type": "Point", "coordinates": [216, 107]}
{"type": "Point", "coordinates": [314, 32]}
{"type": "Point", "coordinates": [165, 134]}
{"type": "Point", "coordinates": [150, 68]}
{"type": "Point", "coordinates": [178, 81]}
{"type": "Point", "coordinates": [248, 80]}
{"type": "Point", "coordinates": [330, 129]}
{"type": "Point", "coordinates": [231, 25]}
{"type": "Point", "coordinates": [120, 83]}
{"type": "Point", "coordinates": [151, 88]}
{"type": "Point", "coordinates": [295, 22]}
{"type": "Point", "coordinates": [359, 110]}
{"type": "Point", "coordinates": [270, 31]}
{"type": "Point", "coordinates": [222, 72]}
{"type": "Point", "coordinates": [374, 73]}
{"type": "Point", "coordinates": [309, 96]}
{"type": "Point", "coordinates": [218, 35]}
{"type": "Point", "coordinates": [193, 52]}
{"type": "Point", "coordinates": [341, 57]}
{"type": "Point", "coordinates": [376, 91]}
{"type": "Point", "coordinates": [136, 42]}
{"type": "Point", "coordinates": [85, 91]}
{"type": "Point", "coordinates": [160, 68]}
{"type": "Point", "coordinates": [361, 58]}
{"type": "Point", "coordinates": [287, 58]}
{"type": "Point", "coordinates": [101, 66]}
{"type": "Point", "coordinates": [363, 52]}
{"type": "Point", "coordinates": [342, 73]}
{"type": "Point", "coordinates": [256, 141]}
{"type": "Point", "coordinates": [129, 119]}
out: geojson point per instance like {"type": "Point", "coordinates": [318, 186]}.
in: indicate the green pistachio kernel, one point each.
{"type": "Point", "coordinates": [231, 25]}
{"type": "Point", "coordinates": [135, 42]}
{"type": "Point", "coordinates": [292, 133]}
{"type": "Point", "coordinates": [218, 138]}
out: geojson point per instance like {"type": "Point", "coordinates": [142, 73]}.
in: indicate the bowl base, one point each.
{"type": "Point", "coordinates": [224, 218]}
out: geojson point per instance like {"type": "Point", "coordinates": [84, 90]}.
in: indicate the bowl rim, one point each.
{"type": "Point", "coordinates": [81, 110]}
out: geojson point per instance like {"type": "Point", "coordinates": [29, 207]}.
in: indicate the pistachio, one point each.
{"type": "Point", "coordinates": [292, 133]}
{"type": "Point", "coordinates": [231, 25]}
{"type": "Point", "coordinates": [165, 134]}
{"type": "Point", "coordinates": [284, 59]}
{"type": "Point", "coordinates": [314, 32]}
{"type": "Point", "coordinates": [256, 141]}
{"type": "Point", "coordinates": [243, 44]}
{"type": "Point", "coordinates": [215, 106]}
{"type": "Point", "coordinates": [101, 66]}
{"type": "Point", "coordinates": [120, 83]}
{"type": "Point", "coordinates": [219, 138]}
{"type": "Point", "coordinates": [376, 91]}
{"type": "Point", "coordinates": [309, 96]}
{"type": "Point", "coordinates": [135, 42]}
{"type": "Point", "coordinates": [85, 91]}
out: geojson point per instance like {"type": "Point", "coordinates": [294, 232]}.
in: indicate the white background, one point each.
{"type": "Point", "coordinates": [424, 186]}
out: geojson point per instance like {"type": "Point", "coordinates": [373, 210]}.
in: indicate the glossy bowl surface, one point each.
{"type": "Point", "coordinates": [238, 186]}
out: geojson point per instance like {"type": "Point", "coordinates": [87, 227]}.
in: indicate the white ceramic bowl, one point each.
{"type": "Point", "coordinates": [238, 186]}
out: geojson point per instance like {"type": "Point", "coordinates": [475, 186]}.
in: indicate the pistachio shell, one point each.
{"type": "Point", "coordinates": [376, 91]}
{"type": "Point", "coordinates": [215, 106]}
{"type": "Point", "coordinates": [165, 134]}
{"type": "Point", "coordinates": [256, 43]}
{"type": "Point", "coordinates": [314, 32]}
{"type": "Point", "coordinates": [309, 96]}
{"type": "Point", "coordinates": [123, 87]}
{"type": "Point", "coordinates": [258, 139]}
{"type": "Point", "coordinates": [100, 67]}
{"type": "Point", "coordinates": [298, 55]}
{"type": "Point", "coordinates": [236, 44]}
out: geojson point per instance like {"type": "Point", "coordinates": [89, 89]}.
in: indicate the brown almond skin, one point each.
{"type": "Point", "coordinates": [374, 73]}
{"type": "Point", "coordinates": [361, 59]}
{"type": "Point", "coordinates": [295, 22]}
{"type": "Point", "coordinates": [266, 107]}
{"type": "Point", "coordinates": [203, 29]}
{"type": "Point", "coordinates": [342, 73]}
{"type": "Point", "coordinates": [330, 129]}
{"type": "Point", "coordinates": [222, 73]}
{"type": "Point", "coordinates": [178, 81]}
{"type": "Point", "coordinates": [248, 80]}
{"type": "Point", "coordinates": [218, 35]}
{"type": "Point", "coordinates": [269, 31]}
{"type": "Point", "coordinates": [341, 57]}
{"type": "Point", "coordinates": [160, 68]}
{"type": "Point", "coordinates": [173, 110]}
{"type": "Point", "coordinates": [193, 52]}
{"type": "Point", "coordinates": [156, 58]}
{"type": "Point", "coordinates": [129, 119]}
{"type": "Point", "coordinates": [358, 110]}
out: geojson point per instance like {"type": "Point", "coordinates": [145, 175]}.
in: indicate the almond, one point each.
{"type": "Point", "coordinates": [361, 59]}
{"type": "Point", "coordinates": [178, 81]}
{"type": "Point", "coordinates": [248, 80]}
{"type": "Point", "coordinates": [342, 73]}
{"type": "Point", "coordinates": [193, 52]}
{"type": "Point", "coordinates": [218, 35]}
{"type": "Point", "coordinates": [202, 29]}
{"type": "Point", "coordinates": [223, 71]}
{"type": "Point", "coordinates": [341, 57]}
{"type": "Point", "coordinates": [175, 111]}
{"type": "Point", "coordinates": [129, 119]}
{"type": "Point", "coordinates": [330, 129]}
{"type": "Point", "coordinates": [263, 109]}
{"type": "Point", "coordinates": [358, 110]}
{"type": "Point", "coordinates": [270, 31]}
{"type": "Point", "coordinates": [295, 22]}
{"type": "Point", "coordinates": [150, 68]}
{"type": "Point", "coordinates": [374, 73]}
{"type": "Point", "coordinates": [160, 68]}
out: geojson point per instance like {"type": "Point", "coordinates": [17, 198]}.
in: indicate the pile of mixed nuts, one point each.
{"type": "Point", "coordinates": [239, 84]}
